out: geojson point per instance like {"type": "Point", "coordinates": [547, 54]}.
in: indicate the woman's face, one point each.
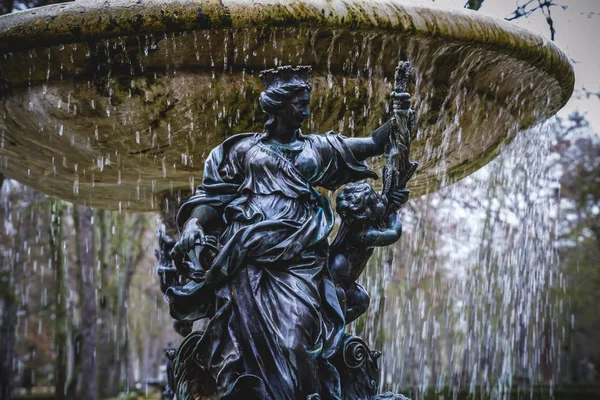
{"type": "Point", "coordinates": [296, 110]}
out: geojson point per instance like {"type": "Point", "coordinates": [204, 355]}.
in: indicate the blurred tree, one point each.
{"type": "Point", "coordinates": [17, 246]}
{"type": "Point", "coordinates": [48, 296]}
{"type": "Point", "coordinates": [83, 381]}
{"type": "Point", "coordinates": [579, 166]}
{"type": "Point", "coordinates": [8, 302]}
{"type": "Point", "coordinates": [59, 290]}
{"type": "Point", "coordinates": [121, 238]}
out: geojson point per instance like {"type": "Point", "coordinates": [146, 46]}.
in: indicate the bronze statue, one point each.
{"type": "Point", "coordinates": [254, 252]}
{"type": "Point", "coordinates": [369, 220]}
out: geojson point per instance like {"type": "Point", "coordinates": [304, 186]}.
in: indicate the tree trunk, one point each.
{"type": "Point", "coordinates": [60, 301]}
{"type": "Point", "coordinates": [118, 246]}
{"type": "Point", "coordinates": [128, 251]}
{"type": "Point", "coordinates": [7, 339]}
{"type": "Point", "coordinates": [106, 360]}
{"type": "Point", "coordinates": [134, 253]}
{"type": "Point", "coordinates": [7, 322]}
{"type": "Point", "coordinates": [86, 336]}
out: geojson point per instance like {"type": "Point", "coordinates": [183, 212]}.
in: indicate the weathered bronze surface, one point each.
{"type": "Point", "coordinates": [116, 103]}
{"type": "Point", "coordinates": [254, 260]}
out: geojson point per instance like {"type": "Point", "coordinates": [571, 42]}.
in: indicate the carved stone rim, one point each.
{"type": "Point", "coordinates": [97, 19]}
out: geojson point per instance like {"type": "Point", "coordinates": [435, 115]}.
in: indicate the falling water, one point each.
{"type": "Point", "coordinates": [463, 301]}
{"type": "Point", "coordinates": [467, 300]}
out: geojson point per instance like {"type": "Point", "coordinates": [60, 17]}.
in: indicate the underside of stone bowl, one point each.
{"type": "Point", "coordinates": [115, 103]}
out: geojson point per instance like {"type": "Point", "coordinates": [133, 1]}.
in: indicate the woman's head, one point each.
{"type": "Point", "coordinates": [359, 202]}
{"type": "Point", "coordinates": [286, 94]}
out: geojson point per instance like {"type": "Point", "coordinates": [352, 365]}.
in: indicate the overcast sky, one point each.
{"type": "Point", "coordinates": [577, 34]}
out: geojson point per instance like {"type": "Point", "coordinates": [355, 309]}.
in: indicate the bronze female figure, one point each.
{"type": "Point", "coordinates": [256, 254]}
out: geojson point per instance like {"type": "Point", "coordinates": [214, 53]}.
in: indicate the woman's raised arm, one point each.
{"type": "Point", "coordinates": [372, 145]}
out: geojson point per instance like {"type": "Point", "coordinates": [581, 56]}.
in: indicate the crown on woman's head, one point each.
{"type": "Point", "coordinates": [286, 74]}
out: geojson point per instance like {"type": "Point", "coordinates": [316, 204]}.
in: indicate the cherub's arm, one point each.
{"type": "Point", "coordinates": [384, 237]}
{"type": "Point", "coordinates": [338, 263]}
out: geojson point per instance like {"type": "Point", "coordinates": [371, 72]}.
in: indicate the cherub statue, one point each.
{"type": "Point", "coordinates": [369, 220]}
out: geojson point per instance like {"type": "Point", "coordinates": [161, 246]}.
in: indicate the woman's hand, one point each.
{"type": "Point", "coordinates": [401, 101]}
{"type": "Point", "coordinates": [191, 236]}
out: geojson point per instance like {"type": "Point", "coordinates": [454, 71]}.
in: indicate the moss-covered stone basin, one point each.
{"type": "Point", "coordinates": [115, 103]}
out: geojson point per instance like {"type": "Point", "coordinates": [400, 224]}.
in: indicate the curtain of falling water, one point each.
{"type": "Point", "coordinates": [465, 300]}
{"type": "Point", "coordinates": [139, 115]}
{"type": "Point", "coordinates": [461, 301]}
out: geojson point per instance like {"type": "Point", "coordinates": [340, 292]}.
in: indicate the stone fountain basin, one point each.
{"type": "Point", "coordinates": [116, 103]}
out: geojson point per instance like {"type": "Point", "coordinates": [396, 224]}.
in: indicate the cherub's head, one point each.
{"type": "Point", "coordinates": [358, 202]}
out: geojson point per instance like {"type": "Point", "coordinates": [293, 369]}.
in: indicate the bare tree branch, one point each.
{"type": "Point", "coordinates": [589, 93]}
{"type": "Point", "coordinates": [530, 6]}
{"type": "Point", "coordinates": [521, 11]}
{"type": "Point", "coordinates": [548, 15]}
